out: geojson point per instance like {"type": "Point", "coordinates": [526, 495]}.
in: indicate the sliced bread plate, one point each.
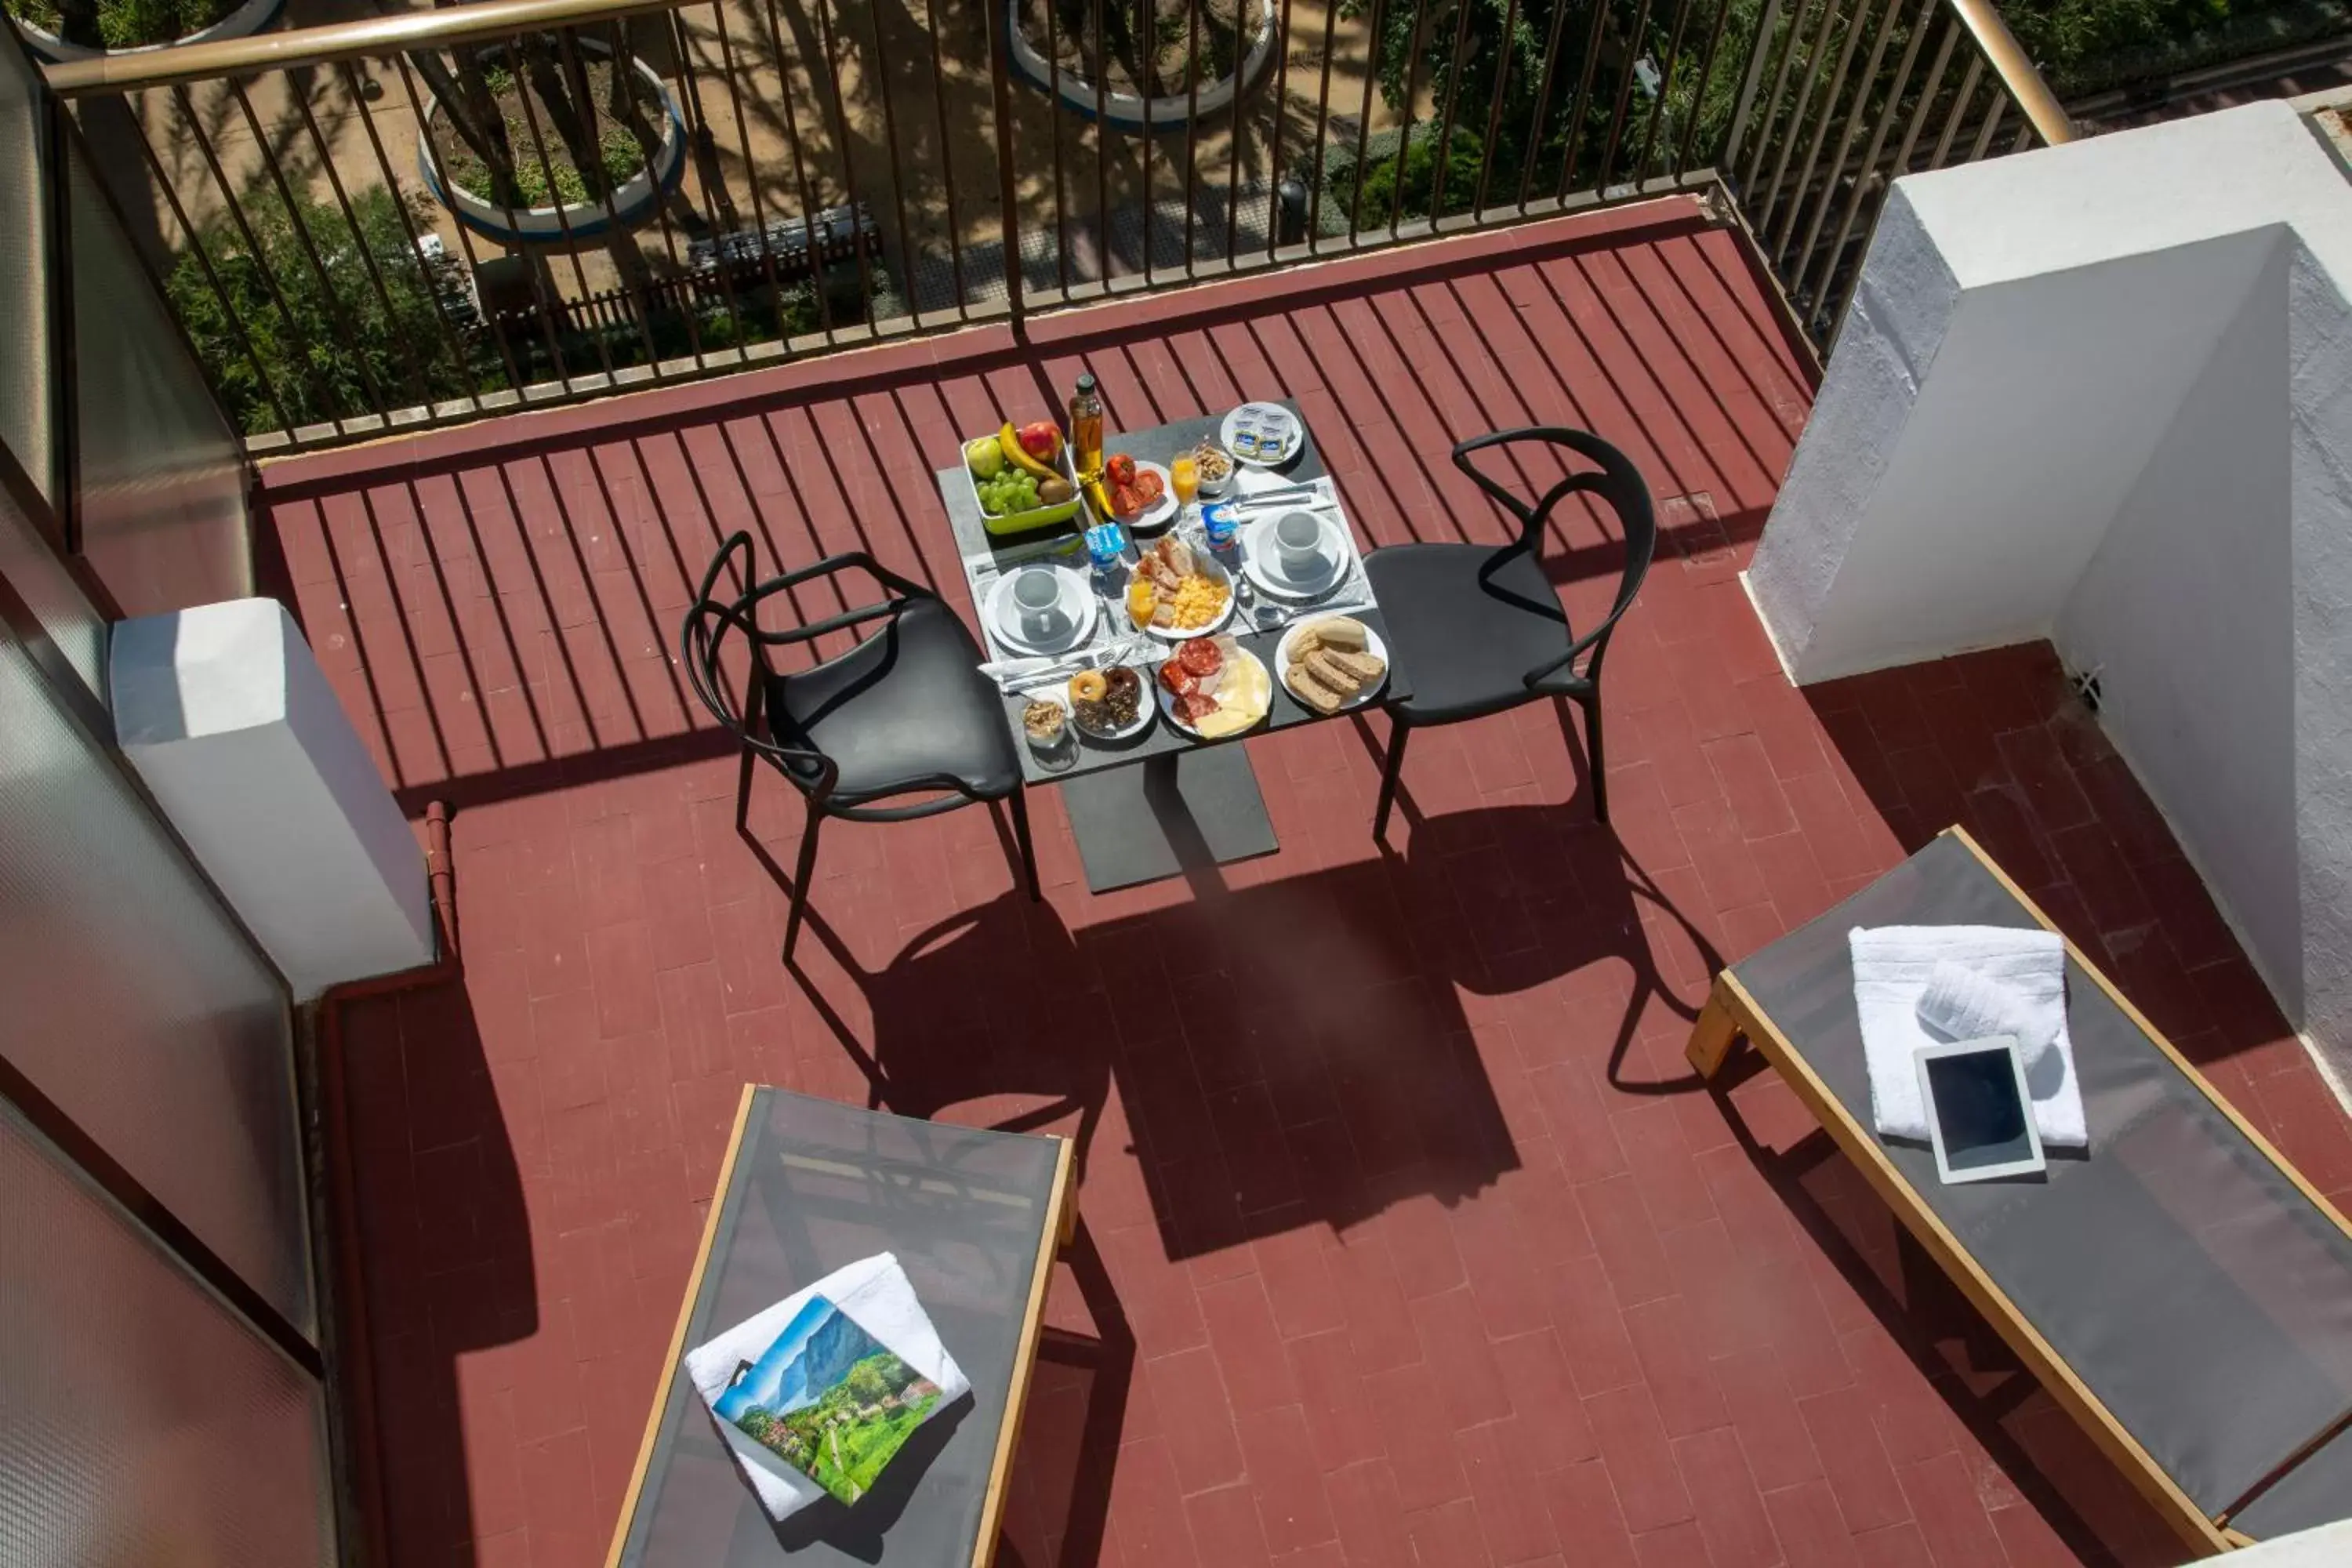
{"type": "Point", "coordinates": [1299, 643]}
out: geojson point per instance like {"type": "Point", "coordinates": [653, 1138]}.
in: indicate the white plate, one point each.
{"type": "Point", "coordinates": [1160, 511]}
{"type": "Point", "coordinates": [1207, 565]}
{"type": "Point", "coordinates": [1297, 436]}
{"type": "Point", "coordinates": [1145, 712]}
{"type": "Point", "coordinates": [1373, 645]}
{"type": "Point", "coordinates": [1263, 561]}
{"type": "Point", "coordinates": [1239, 654]}
{"type": "Point", "coordinates": [1004, 616]}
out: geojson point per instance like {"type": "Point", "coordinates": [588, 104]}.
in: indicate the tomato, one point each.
{"type": "Point", "coordinates": [1177, 679]}
{"type": "Point", "coordinates": [1149, 489]}
{"type": "Point", "coordinates": [1119, 470]}
{"type": "Point", "coordinates": [1200, 656]}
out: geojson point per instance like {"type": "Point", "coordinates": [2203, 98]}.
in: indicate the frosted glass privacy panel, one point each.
{"type": "Point", "coordinates": [24, 276]}
{"type": "Point", "coordinates": [31, 565]}
{"type": "Point", "coordinates": [141, 1421]}
{"type": "Point", "coordinates": [163, 517]}
{"type": "Point", "coordinates": [134, 1003]}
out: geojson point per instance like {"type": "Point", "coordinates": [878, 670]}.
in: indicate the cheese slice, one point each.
{"type": "Point", "coordinates": [1224, 721]}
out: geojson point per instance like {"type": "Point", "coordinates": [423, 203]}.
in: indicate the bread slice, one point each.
{"type": "Point", "coordinates": [1304, 686]}
{"type": "Point", "coordinates": [1325, 666]}
{"type": "Point", "coordinates": [1341, 632]}
{"type": "Point", "coordinates": [1366, 667]}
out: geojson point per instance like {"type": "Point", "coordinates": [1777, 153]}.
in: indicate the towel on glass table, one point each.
{"type": "Point", "coordinates": [1894, 967]}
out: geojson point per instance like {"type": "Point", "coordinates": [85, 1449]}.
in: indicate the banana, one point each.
{"type": "Point", "coordinates": [1018, 454]}
{"type": "Point", "coordinates": [1100, 497]}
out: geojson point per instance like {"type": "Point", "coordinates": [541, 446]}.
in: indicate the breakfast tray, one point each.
{"type": "Point", "coordinates": [984, 568]}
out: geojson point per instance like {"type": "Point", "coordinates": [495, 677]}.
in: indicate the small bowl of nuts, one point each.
{"type": "Point", "coordinates": [1214, 465]}
{"type": "Point", "coordinates": [1045, 719]}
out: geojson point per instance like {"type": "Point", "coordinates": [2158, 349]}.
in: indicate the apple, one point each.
{"type": "Point", "coordinates": [1040, 439]}
{"type": "Point", "coordinates": [984, 458]}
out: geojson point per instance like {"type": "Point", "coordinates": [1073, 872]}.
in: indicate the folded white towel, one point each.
{"type": "Point", "coordinates": [1892, 967]}
{"type": "Point", "coordinates": [874, 1295]}
{"type": "Point", "coordinates": [1960, 1003]}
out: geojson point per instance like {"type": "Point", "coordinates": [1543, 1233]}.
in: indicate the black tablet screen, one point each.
{"type": "Point", "coordinates": [1976, 1102]}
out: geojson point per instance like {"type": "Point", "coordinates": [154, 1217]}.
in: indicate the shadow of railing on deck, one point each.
{"type": "Point", "coordinates": [537, 593]}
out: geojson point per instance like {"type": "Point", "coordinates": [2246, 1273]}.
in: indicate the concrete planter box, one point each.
{"type": "Point", "coordinates": [632, 205]}
{"type": "Point", "coordinates": [1125, 110]}
{"type": "Point", "coordinates": [246, 19]}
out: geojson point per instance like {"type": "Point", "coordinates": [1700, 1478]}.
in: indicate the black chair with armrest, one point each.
{"type": "Point", "coordinates": [1479, 628]}
{"type": "Point", "coordinates": [906, 711]}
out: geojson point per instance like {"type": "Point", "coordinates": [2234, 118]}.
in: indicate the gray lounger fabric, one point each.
{"type": "Point", "coordinates": [818, 1185]}
{"type": "Point", "coordinates": [2189, 1285]}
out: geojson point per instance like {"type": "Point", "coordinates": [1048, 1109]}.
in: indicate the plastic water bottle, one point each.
{"type": "Point", "coordinates": [1107, 549]}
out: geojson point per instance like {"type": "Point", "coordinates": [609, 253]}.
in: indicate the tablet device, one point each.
{"type": "Point", "coordinates": [1980, 1113]}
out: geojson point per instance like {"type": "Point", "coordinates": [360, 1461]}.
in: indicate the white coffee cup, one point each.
{"type": "Point", "coordinates": [1037, 595]}
{"type": "Point", "coordinates": [1298, 543]}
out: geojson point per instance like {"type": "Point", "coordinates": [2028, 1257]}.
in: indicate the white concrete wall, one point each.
{"type": "Point", "coordinates": [2189, 602]}
{"type": "Point", "coordinates": [1989, 439]}
{"type": "Point", "coordinates": [232, 725]}
{"type": "Point", "coordinates": [2102, 394]}
{"type": "Point", "coordinates": [2319, 449]}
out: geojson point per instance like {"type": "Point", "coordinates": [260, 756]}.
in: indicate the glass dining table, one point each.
{"type": "Point", "coordinates": [1164, 802]}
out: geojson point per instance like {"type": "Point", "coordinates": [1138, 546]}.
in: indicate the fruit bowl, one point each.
{"type": "Point", "coordinates": [1030, 519]}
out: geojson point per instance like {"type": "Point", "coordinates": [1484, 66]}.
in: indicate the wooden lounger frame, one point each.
{"type": "Point", "coordinates": [1060, 1230]}
{"type": "Point", "coordinates": [1731, 1014]}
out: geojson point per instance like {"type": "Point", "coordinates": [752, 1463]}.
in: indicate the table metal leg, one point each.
{"type": "Point", "coordinates": [1166, 814]}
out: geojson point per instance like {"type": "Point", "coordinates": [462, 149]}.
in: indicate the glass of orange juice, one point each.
{"type": "Point", "coordinates": [1185, 476]}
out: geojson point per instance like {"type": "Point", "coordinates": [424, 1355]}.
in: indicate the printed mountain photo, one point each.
{"type": "Point", "coordinates": [828, 1400]}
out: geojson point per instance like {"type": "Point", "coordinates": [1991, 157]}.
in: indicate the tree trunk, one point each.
{"type": "Point", "coordinates": [565, 115]}
{"type": "Point", "coordinates": [78, 23]}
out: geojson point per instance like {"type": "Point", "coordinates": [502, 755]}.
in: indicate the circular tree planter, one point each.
{"type": "Point", "coordinates": [632, 204]}
{"type": "Point", "coordinates": [245, 20]}
{"type": "Point", "coordinates": [1127, 110]}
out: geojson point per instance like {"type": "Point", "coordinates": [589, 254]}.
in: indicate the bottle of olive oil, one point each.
{"type": "Point", "coordinates": [1086, 428]}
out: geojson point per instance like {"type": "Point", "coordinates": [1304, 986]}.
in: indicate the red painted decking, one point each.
{"type": "Point", "coordinates": [1408, 1237]}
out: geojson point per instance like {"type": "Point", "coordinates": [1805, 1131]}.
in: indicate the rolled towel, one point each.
{"type": "Point", "coordinates": [1965, 1004]}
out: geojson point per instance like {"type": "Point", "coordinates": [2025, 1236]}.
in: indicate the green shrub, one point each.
{"type": "Point", "coordinates": [317, 347]}
{"type": "Point", "coordinates": [127, 24]}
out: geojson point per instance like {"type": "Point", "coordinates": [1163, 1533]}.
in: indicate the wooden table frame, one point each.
{"type": "Point", "coordinates": [1061, 1225]}
{"type": "Point", "coordinates": [1731, 1015]}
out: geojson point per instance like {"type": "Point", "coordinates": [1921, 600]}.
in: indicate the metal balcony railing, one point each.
{"type": "Point", "coordinates": [1861, 92]}
{"type": "Point", "coordinates": [439, 214]}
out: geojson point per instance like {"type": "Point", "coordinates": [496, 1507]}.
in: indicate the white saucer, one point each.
{"type": "Point", "coordinates": [1077, 604]}
{"type": "Point", "coordinates": [1263, 561]}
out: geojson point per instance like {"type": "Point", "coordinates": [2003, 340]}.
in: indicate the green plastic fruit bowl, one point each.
{"type": "Point", "coordinates": [1008, 522]}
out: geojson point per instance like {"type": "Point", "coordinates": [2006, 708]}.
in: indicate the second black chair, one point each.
{"type": "Point", "coordinates": [1479, 629]}
{"type": "Point", "coordinates": [905, 712]}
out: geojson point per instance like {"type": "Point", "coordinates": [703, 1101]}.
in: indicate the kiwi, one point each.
{"type": "Point", "coordinates": [1055, 491]}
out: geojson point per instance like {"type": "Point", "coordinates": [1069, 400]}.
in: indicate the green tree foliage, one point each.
{"type": "Point", "coordinates": [1499, 70]}
{"type": "Point", "coordinates": [324, 331]}
{"type": "Point", "coordinates": [322, 335]}
{"type": "Point", "coordinates": [121, 23]}
{"type": "Point", "coordinates": [866, 1382]}
{"type": "Point", "coordinates": [2082, 45]}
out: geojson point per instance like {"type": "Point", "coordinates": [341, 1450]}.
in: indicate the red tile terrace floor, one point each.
{"type": "Point", "coordinates": [1408, 1237]}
